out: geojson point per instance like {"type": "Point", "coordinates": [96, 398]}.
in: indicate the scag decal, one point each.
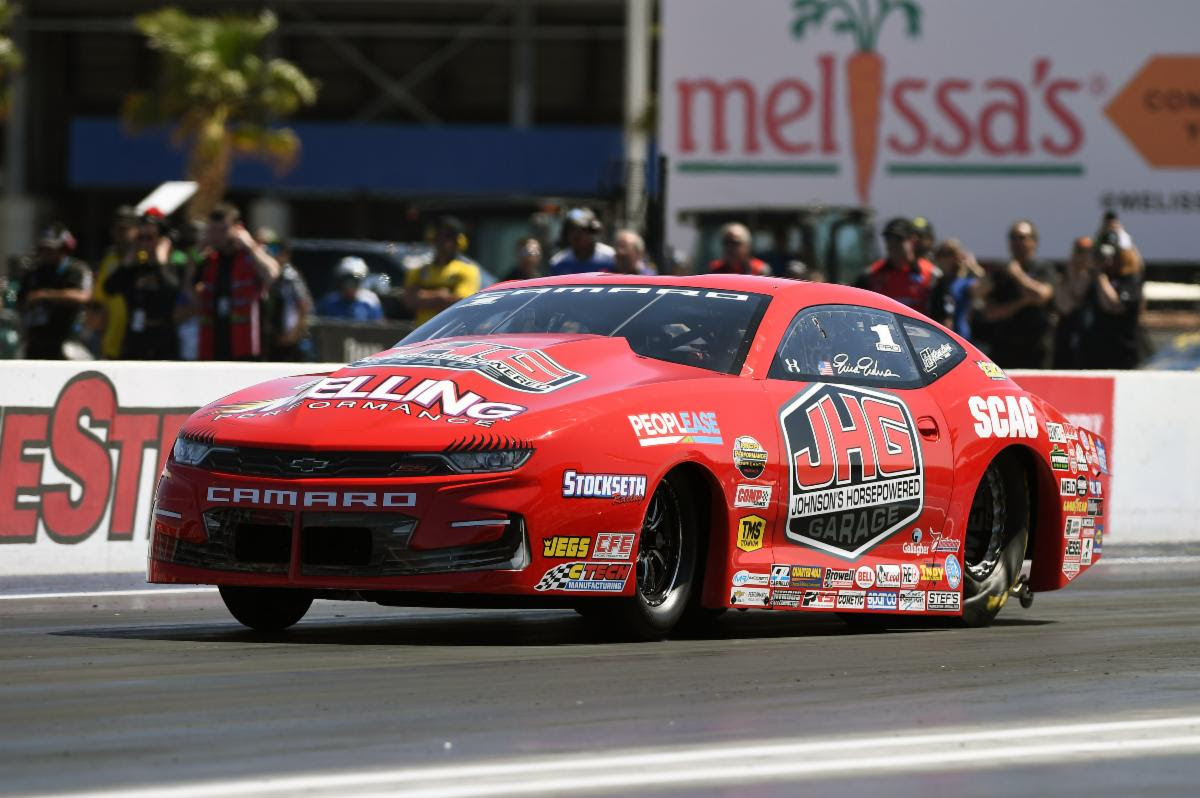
{"type": "Point", "coordinates": [855, 465]}
{"type": "Point", "coordinates": [754, 497]}
{"type": "Point", "coordinates": [749, 457]}
{"type": "Point", "coordinates": [622, 487]}
{"type": "Point", "coordinates": [566, 547]}
{"type": "Point", "coordinates": [751, 530]}
{"type": "Point", "coordinates": [1003, 416]}
{"type": "Point", "coordinates": [602, 577]}
{"type": "Point", "coordinates": [525, 370]}
{"type": "Point", "coordinates": [657, 429]}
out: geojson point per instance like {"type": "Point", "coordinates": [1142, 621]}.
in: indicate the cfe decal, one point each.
{"type": "Point", "coordinates": [856, 470]}
{"type": "Point", "coordinates": [524, 370]}
{"type": "Point", "coordinates": [71, 465]}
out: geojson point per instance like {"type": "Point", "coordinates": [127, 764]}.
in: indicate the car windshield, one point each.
{"type": "Point", "coordinates": [691, 326]}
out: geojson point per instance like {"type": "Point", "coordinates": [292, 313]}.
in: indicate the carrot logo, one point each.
{"type": "Point", "coordinates": [864, 69]}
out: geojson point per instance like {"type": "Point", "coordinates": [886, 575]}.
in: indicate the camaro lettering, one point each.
{"type": "Point", "coordinates": [272, 497]}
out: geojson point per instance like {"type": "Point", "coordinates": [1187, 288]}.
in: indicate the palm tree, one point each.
{"type": "Point", "coordinates": [220, 94]}
{"type": "Point", "coordinates": [10, 56]}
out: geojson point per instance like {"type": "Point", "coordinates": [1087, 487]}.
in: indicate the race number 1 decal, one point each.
{"type": "Point", "coordinates": [856, 469]}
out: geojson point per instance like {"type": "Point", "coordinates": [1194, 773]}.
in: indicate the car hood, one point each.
{"type": "Point", "coordinates": [427, 396]}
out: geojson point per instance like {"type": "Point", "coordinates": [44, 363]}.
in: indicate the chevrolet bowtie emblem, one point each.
{"type": "Point", "coordinates": [308, 465]}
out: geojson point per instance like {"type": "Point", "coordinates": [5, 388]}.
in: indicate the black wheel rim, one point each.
{"type": "Point", "coordinates": [661, 547]}
{"type": "Point", "coordinates": [986, 526]}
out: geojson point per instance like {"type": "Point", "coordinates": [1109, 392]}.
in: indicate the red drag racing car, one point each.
{"type": "Point", "coordinates": [649, 451]}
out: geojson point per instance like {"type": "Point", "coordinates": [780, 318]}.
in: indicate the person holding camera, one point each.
{"type": "Point", "coordinates": [1013, 318]}
{"type": "Point", "coordinates": [1110, 335]}
{"type": "Point", "coordinates": [147, 281]}
{"type": "Point", "coordinates": [53, 295]}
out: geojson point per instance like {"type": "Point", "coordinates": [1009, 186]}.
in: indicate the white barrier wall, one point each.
{"type": "Point", "coordinates": [81, 446]}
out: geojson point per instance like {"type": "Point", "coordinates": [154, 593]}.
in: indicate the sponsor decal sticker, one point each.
{"type": "Point", "coordinates": [887, 575]}
{"type": "Point", "coordinates": [754, 497]}
{"type": "Point", "coordinates": [1094, 487]}
{"type": "Point", "coordinates": [1095, 507]}
{"type": "Point", "coordinates": [839, 577]}
{"type": "Point", "coordinates": [1070, 570]}
{"type": "Point", "coordinates": [751, 531]}
{"type": "Point", "coordinates": [915, 547]}
{"type": "Point", "coordinates": [864, 576]}
{"type": "Point", "coordinates": [524, 370]}
{"type": "Point", "coordinates": [819, 599]}
{"type": "Point", "coordinates": [272, 497]}
{"type": "Point", "coordinates": [622, 487]}
{"type": "Point", "coordinates": [943, 544]}
{"type": "Point", "coordinates": [1003, 416]}
{"type": "Point", "coordinates": [1072, 527]}
{"type": "Point", "coordinates": [1085, 557]}
{"type": "Point", "coordinates": [910, 574]}
{"type": "Point", "coordinates": [1101, 457]}
{"type": "Point", "coordinates": [953, 571]}
{"type": "Point", "coordinates": [806, 576]}
{"type": "Point", "coordinates": [1059, 460]}
{"type": "Point", "coordinates": [786, 598]}
{"type": "Point", "coordinates": [932, 356]}
{"type": "Point", "coordinates": [749, 596]}
{"type": "Point", "coordinates": [912, 601]}
{"type": "Point", "coordinates": [658, 429]}
{"type": "Point", "coordinates": [749, 456]}
{"type": "Point", "coordinates": [600, 577]}
{"type": "Point", "coordinates": [851, 600]}
{"type": "Point", "coordinates": [881, 600]}
{"type": "Point", "coordinates": [747, 578]}
{"type": "Point", "coordinates": [932, 573]}
{"type": "Point", "coordinates": [1055, 432]}
{"type": "Point", "coordinates": [943, 601]}
{"type": "Point", "coordinates": [564, 547]}
{"type": "Point", "coordinates": [1075, 506]}
{"type": "Point", "coordinates": [855, 467]}
{"type": "Point", "coordinates": [991, 370]}
{"type": "Point", "coordinates": [613, 546]}
{"type": "Point", "coordinates": [781, 576]}
{"type": "Point", "coordinates": [1067, 487]}
{"type": "Point", "coordinates": [1074, 551]}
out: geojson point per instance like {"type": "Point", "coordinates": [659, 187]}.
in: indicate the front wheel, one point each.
{"type": "Point", "coordinates": [266, 609]}
{"type": "Point", "coordinates": [664, 572]}
{"type": "Point", "coordinates": [997, 535]}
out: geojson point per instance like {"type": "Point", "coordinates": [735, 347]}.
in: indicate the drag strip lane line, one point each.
{"type": "Point", "coordinates": [1182, 558]}
{"type": "Point", "coordinates": [110, 593]}
{"type": "Point", "coordinates": [722, 762]}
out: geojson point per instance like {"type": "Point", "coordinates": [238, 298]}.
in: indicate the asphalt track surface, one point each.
{"type": "Point", "coordinates": [1094, 690]}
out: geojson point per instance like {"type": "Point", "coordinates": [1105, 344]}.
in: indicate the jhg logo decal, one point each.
{"type": "Point", "coordinates": [856, 468]}
{"type": "Point", "coordinates": [525, 370]}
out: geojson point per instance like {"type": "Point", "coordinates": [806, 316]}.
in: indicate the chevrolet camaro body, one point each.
{"type": "Point", "coordinates": [826, 449]}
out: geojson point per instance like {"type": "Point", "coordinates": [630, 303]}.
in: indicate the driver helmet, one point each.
{"type": "Point", "coordinates": [352, 267]}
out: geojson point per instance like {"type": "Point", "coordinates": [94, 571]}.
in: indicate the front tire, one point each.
{"type": "Point", "coordinates": [664, 571]}
{"type": "Point", "coordinates": [996, 539]}
{"type": "Point", "coordinates": [266, 609]}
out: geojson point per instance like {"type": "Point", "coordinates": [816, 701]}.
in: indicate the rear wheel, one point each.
{"type": "Point", "coordinates": [997, 535]}
{"type": "Point", "coordinates": [664, 572]}
{"type": "Point", "coordinates": [266, 609]}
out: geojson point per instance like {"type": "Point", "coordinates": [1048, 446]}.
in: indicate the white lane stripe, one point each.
{"type": "Point", "coordinates": [108, 593]}
{"type": "Point", "coordinates": [1183, 558]}
{"type": "Point", "coordinates": [781, 759]}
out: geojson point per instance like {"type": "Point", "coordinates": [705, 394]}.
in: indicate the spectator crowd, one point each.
{"type": "Point", "coordinates": [214, 291]}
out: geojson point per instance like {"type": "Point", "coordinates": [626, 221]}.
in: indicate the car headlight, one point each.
{"type": "Point", "coordinates": [191, 452]}
{"type": "Point", "coordinates": [484, 462]}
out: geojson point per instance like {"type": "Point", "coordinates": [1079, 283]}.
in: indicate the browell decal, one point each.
{"type": "Point", "coordinates": [855, 466]}
{"type": "Point", "coordinates": [525, 370]}
{"type": "Point", "coordinates": [106, 468]}
{"type": "Point", "coordinates": [432, 400]}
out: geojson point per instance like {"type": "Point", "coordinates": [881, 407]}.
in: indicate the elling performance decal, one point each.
{"type": "Point", "coordinates": [855, 465]}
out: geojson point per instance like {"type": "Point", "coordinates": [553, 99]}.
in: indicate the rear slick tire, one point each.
{"type": "Point", "coordinates": [664, 571]}
{"type": "Point", "coordinates": [996, 539]}
{"type": "Point", "coordinates": [266, 609]}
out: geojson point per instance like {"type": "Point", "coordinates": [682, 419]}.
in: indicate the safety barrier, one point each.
{"type": "Point", "coordinates": [81, 445]}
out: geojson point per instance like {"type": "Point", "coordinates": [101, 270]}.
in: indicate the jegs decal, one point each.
{"type": "Point", "coordinates": [856, 469]}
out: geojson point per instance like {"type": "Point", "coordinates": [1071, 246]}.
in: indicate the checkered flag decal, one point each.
{"type": "Point", "coordinates": [556, 577]}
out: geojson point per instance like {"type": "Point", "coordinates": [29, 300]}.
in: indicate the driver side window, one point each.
{"type": "Point", "coordinates": [846, 344]}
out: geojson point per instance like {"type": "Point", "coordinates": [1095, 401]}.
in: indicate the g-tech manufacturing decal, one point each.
{"type": "Point", "coordinates": [856, 473]}
{"type": "Point", "coordinates": [601, 577]}
{"type": "Point", "coordinates": [525, 370]}
{"type": "Point", "coordinates": [658, 429]}
{"type": "Point", "coordinates": [749, 457]}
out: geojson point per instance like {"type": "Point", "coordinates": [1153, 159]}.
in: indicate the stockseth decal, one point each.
{"type": "Point", "coordinates": [613, 546]}
{"type": "Point", "coordinates": [855, 465]}
{"type": "Point", "coordinates": [751, 531]}
{"type": "Point", "coordinates": [657, 429]}
{"type": "Point", "coordinates": [1003, 416]}
{"type": "Point", "coordinates": [563, 547]}
{"type": "Point", "coordinates": [622, 487]}
{"type": "Point", "coordinates": [749, 457]}
{"type": "Point", "coordinates": [601, 577]}
{"type": "Point", "coordinates": [524, 370]}
{"type": "Point", "coordinates": [278, 497]}
{"type": "Point", "coordinates": [754, 497]}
